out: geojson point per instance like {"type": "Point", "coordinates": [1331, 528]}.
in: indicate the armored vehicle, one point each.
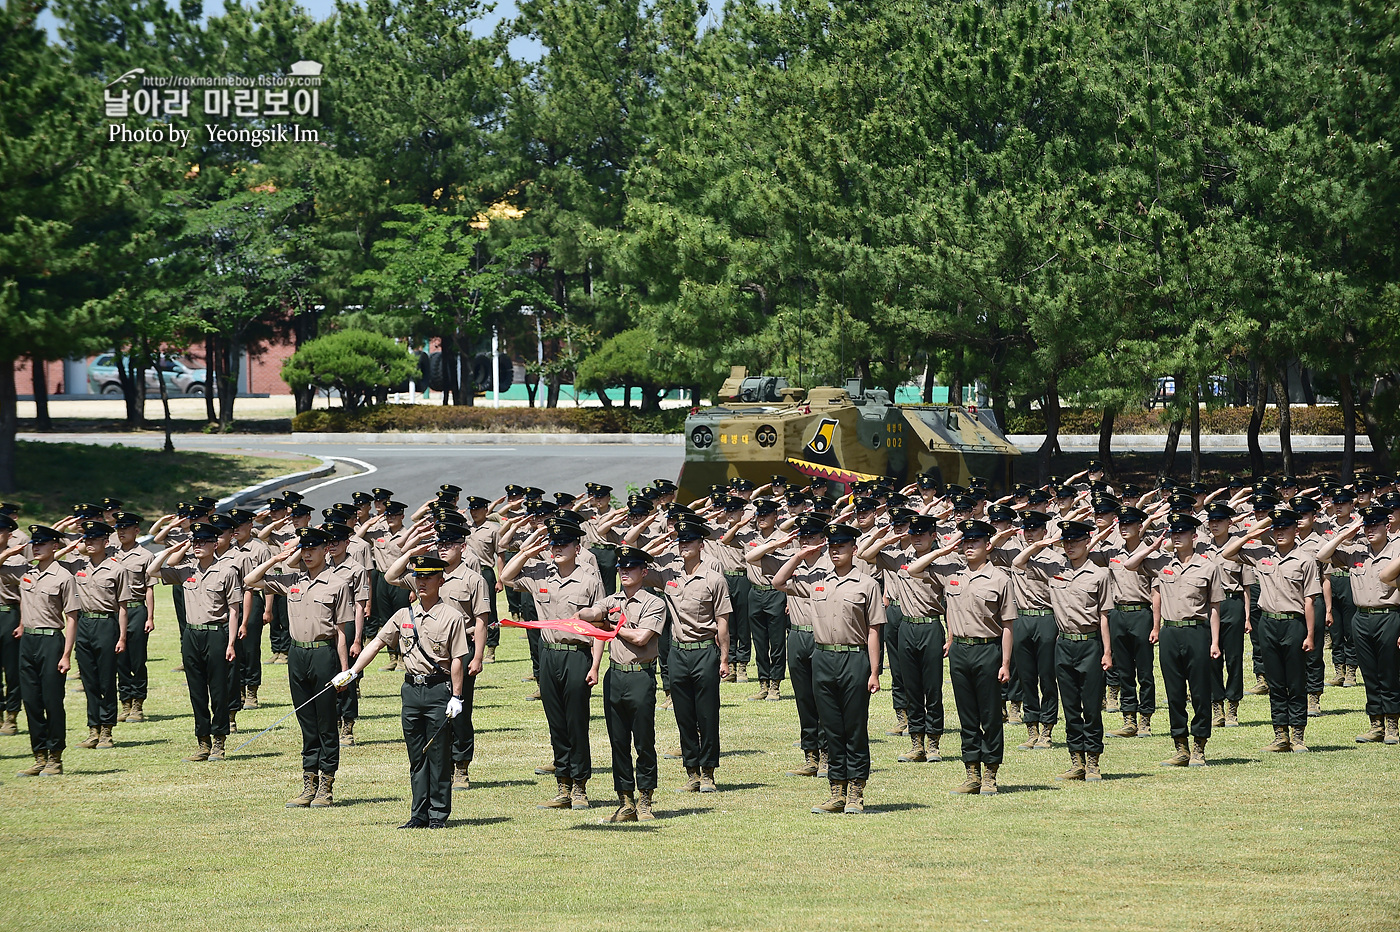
{"type": "Point", "coordinates": [763, 427]}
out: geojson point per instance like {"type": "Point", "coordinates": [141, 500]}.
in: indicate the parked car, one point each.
{"type": "Point", "coordinates": [181, 378]}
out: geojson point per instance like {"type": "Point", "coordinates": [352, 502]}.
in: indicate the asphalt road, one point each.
{"type": "Point", "coordinates": [413, 472]}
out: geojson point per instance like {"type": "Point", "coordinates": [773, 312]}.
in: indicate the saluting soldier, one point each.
{"type": "Point", "coordinates": [981, 611]}
{"type": "Point", "coordinates": [597, 504]}
{"type": "Point", "coordinates": [248, 550]}
{"type": "Point", "coordinates": [848, 612]}
{"type": "Point", "coordinates": [482, 550]}
{"type": "Point", "coordinates": [1130, 625]}
{"type": "Point", "coordinates": [213, 591]}
{"type": "Point", "coordinates": [387, 534]}
{"type": "Point", "coordinates": [105, 590]}
{"type": "Point", "coordinates": [729, 551]}
{"type": "Point", "coordinates": [1227, 687]}
{"type": "Point", "coordinates": [10, 699]}
{"type": "Point", "coordinates": [1035, 634]}
{"type": "Point", "coordinates": [132, 676]}
{"type": "Point", "coordinates": [767, 605]}
{"type": "Point", "coordinates": [629, 686]}
{"type": "Point", "coordinates": [356, 574]}
{"type": "Point", "coordinates": [433, 642]}
{"type": "Point", "coordinates": [49, 606]}
{"type": "Point", "coordinates": [1310, 539]}
{"type": "Point", "coordinates": [284, 519]}
{"type": "Point", "coordinates": [318, 605]}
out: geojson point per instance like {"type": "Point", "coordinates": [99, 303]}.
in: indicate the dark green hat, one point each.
{"type": "Point", "coordinates": [972, 529]}
{"type": "Point", "coordinates": [841, 534]}
{"type": "Point", "coordinates": [311, 537]}
{"type": "Point", "coordinates": [202, 532]}
{"type": "Point", "coordinates": [361, 498]}
{"type": "Point", "coordinates": [476, 502]}
{"type": "Point", "coordinates": [811, 524]}
{"type": "Point", "coordinates": [96, 529]}
{"type": "Point", "coordinates": [1034, 519]}
{"type": "Point", "coordinates": [126, 519]}
{"type": "Point", "coordinates": [632, 556]}
{"type": "Point", "coordinates": [1372, 515]}
{"type": "Point", "coordinates": [424, 565]}
{"type": "Point", "coordinates": [922, 524]}
{"type": "Point", "coordinates": [1075, 530]}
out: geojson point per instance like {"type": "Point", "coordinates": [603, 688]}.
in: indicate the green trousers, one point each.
{"type": "Point", "coordinates": [629, 709]}
{"type": "Point", "coordinates": [695, 698]}
{"type": "Point", "coordinates": [1187, 669]}
{"type": "Point", "coordinates": [1080, 674]}
{"type": "Point", "coordinates": [1343, 613]}
{"type": "Point", "coordinates": [1228, 682]}
{"type": "Point", "coordinates": [10, 700]}
{"type": "Point", "coordinates": [463, 732]}
{"type": "Point", "coordinates": [95, 650]}
{"type": "Point", "coordinates": [607, 567]}
{"type": "Point", "coordinates": [768, 627]}
{"type": "Point", "coordinates": [1378, 656]}
{"type": "Point", "coordinates": [1316, 659]}
{"type": "Point", "coordinates": [1130, 633]}
{"type": "Point", "coordinates": [1034, 650]}
{"type": "Point", "coordinates": [1256, 621]}
{"type": "Point", "coordinates": [177, 599]}
{"type": "Point", "coordinates": [890, 633]}
{"type": "Point", "coordinates": [565, 695]}
{"type": "Point", "coordinates": [279, 634]}
{"type": "Point", "coordinates": [208, 675]}
{"type": "Point", "coordinates": [42, 687]}
{"type": "Point", "coordinates": [424, 720]}
{"type": "Point", "coordinates": [740, 635]}
{"type": "Point", "coordinates": [249, 646]}
{"type": "Point", "coordinates": [1285, 669]}
{"type": "Point", "coordinates": [133, 680]}
{"type": "Point", "coordinates": [840, 682]}
{"type": "Point", "coordinates": [800, 648]}
{"type": "Point", "coordinates": [921, 659]}
{"type": "Point", "coordinates": [493, 616]}
{"type": "Point", "coordinates": [977, 695]}
{"type": "Point", "coordinates": [309, 670]}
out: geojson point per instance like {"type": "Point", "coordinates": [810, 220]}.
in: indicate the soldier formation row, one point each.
{"type": "Point", "coordinates": [1045, 599]}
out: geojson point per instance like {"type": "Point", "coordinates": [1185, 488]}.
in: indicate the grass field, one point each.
{"type": "Point", "coordinates": [53, 476]}
{"type": "Point", "coordinates": [133, 838]}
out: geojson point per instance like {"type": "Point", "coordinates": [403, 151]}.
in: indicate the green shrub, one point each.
{"type": "Point", "coordinates": [1314, 421]}
{"type": "Point", "coordinates": [382, 418]}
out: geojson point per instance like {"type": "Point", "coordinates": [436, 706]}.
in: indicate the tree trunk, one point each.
{"type": "Point", "coordinates": [210, 381]}
{"type": "Point", "coordinates": [1380, 444]}
{"type": "Point", "coordinates": [164, 404]}
{"type": "Point", "coordinates": [1305, 381]}
{"type": "Point", "coordinates": [1285, 419]}
{"type": "Point", "coordinates": [552, 391]}
{"type": "Point", "coordinates": [1169, 451]}
{"type": "Point", "coordinates": [955, 384]}
{"type": "Point", "coordinates": [128, 384]}
{"type": "Point", "coordinates": [1259, 397]}
{"type": "Point", "coordinates": [627, 396]}
{"type": "Point", "coordinates": [41, 395]}
{"type": "Point", "coordinates": [532, 387]}
{"type": "Point", "coordinates": [138, 379]}
{"type": "Point", "coordinates": [1105, 440]}
{"type": "Point", "coordinates": [228, 383]}
{"type": "Point", "coordinates": [9, 421]}
{"type": "Point", "coordinates": [1348, 403]}
{"type": "Point", "coordinates": [1051, 410]}
{"type": "Point", "coordinates": [449, 372]}
{"type": "Point", "coordinates": [928, 380]}
{"type": "Point", "coordinates": [1196, 433]}
{"type": "Point", "coordinates": [603, 398]}
{"type": "Point", "coordinates": [466, 395]}
{"type": "Point", "coordinates": [651, 400]}
{"type": "Point", "coordinates": [303, 331]}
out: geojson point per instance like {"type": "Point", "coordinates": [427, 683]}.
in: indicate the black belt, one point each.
{"type": "Point", "coordinates": [959, 639]}
{"type": "Point", "coordinates": [1036, 611]}
{"type": "Point", "coordinates": [632, 667]}
{"type": "Point", "coordinates": [1080, 637]}
{"type": "Point", "coordinates": [922, 619]}
{"type": "Point", "coordinates": [99, 616]}
{"type": "Point", "coordinates": [1182, 624]}
{"type": "Point", "coordinates": [842, 648]}
{"type": "Point", "coordinates": [1132, 606]}
{"type": "Point", "coordinates": [693, 645]}
{"type": "Point", "coordinates": [1237, 596]}
{"type": "Point", "coordinates": [425, 679]}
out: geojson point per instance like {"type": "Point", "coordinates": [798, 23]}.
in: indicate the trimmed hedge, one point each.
{"type": "Point", "coordinates": [381, 418]}
{"type": "Point", "coordinates": [1319, 420]}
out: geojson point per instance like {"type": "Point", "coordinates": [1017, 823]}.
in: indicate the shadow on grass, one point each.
{"type": "Point", "coordinates": [360, 743]}
{"type": "Point", "coordinates": [679, 813]}
{"type": "Point", "coordinates": [614, 826]}
{"type": "Point", "coordinates": [502, 729]}
{"type": "Point", "coordinates": [893, 807]}
{"type": "Point", "coordinates": [136, 744]}
{"type": "Point", "coordinates": [1124, 776]}
{"type": "Point", "coordinates": [742, 786]}
{"type": "Point", "coordinates": [365, 800]}
{"type": "Point", "coordinates": [493, 784]}
{"type": "Point", "coordinates": [1329, 748]}
{"type": "Point", "coordinates": [1227, 761]}
{"type": "Point", "coordinates": [741, 752]}
{"type": "Point", "coordinates": [1024, 788]}
{"type": "Point", "coordinates": [478, 822]}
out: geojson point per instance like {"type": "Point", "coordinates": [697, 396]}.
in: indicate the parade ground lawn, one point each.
{"type": "Point", "coordinates": [136, 839]}
{"type": "Point", "coordinates": [53, 476]}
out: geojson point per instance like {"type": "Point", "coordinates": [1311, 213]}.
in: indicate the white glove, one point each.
{"type": "Point", "coordinates": [454, 707]}
{"type": "Point", "coordinates": [343, 678]}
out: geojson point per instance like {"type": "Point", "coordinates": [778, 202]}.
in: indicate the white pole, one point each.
{"type": "Point", "coordinates": [539, 354]}
{"type": "Point", "coordinates": [495, 368]}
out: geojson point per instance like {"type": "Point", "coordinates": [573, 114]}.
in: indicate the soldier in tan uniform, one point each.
{"type": "Point", "coordinates": [104, 587]}
{"type": "Point", "coordinates": [49, 606]}
{"type": "Point", "coordinates": [981, 610]}
{"type": "Point", "coordinates": [132, 677]}
{"type": "Point", "coordinates": [482, 551]}
{"type": "Point", "coordinates": [767, 606]}
{"type": "Point", "coordinates": [1227, 686]}
{"type": "Point", "coordinates": [356, 574]}
{"type": "Point", "coordinates": [433, 641]}
{"type": "Point", "coordinates": [10, 700]}
{"type": "Point", "coordinates": [629, 686]}
{"type": "Point", "coordinates": [249, 551]}
{"type": "Point", "coordinates": [318, 605]}
{"type": "Point", "coordinates": [729, 551]}
{"type": "Point", "coordinates": [1130, 625]}
{"type": "Point", "coordinates": [1035, 632]}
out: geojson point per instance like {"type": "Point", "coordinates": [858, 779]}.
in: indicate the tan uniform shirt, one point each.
{"type": "Point", "coordinates": [45, 597]}
{"type": "Point", "coordinates": [9, 583]}
{"type": "Point", "coordinates": [136, 560]}
{"type": "Point", "coordinates": [918, 598]}
{"type": "Point", "coordinates": [467, 591]}
{"type": "Point", "coordinates": [1031, 585]}
{"type": "Point", "coordinates": [801, 611]}
{"type": "Point", "coordinates": [250, 555]}
{"type": "Point", "coordinates": [980, 602]}
{"type": "Point", "coordinates": [1231, 571]}
{"type": "Point", "coordinates": [697, 599]}
{"type": "Point", "coordinates": [1367, 590]}
{"type": "Point", "coordinates": [1077, 596]}
{"type": "Point", "coordinates": [1129, 586]}
{"type": "Point", "coordinates": [1285, 582]}
{"type": "Point", "coordinates": [645, 610]}
{"type": "Point", "coordinates": [1188, 589]}
{"type": "Point", "coordinates": [845, 608]}
{"type": "Point", "coordinates": [355, 574]}
{"type": "Point", "coordinates": [315, 605]}
{"type": "Point", "coordinates": [102, 586]}
{"type": "Point", "coordinates": [481, 544]}
{"type": "Point", "coordinates": [763, 575]}
{"type": "Point", "coordinates": [209, 594]}
{"type": "Point", "coordinates": [388, 547]}
{"type": "Point", "coordinates": [440, 632]}
{"type": "Point", "coordinates": [559, 596]}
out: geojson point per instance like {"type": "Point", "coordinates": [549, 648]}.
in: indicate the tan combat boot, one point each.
{"type": "Point", "coordinates": [931, 748]}
{"type": "Point", "coordinates": [390, 667]}
{"type": "Point", "coordinates": [461, 780]}
{"type": "Point", "coordinates": [1144, 725]}
{"type": "Point", "coordinates": [743, 675]}
{"type": "Point", "coordinates": [1339, 673]}
{"type": "Point", "coordinates": [1260, 687]}
{"type": "Point", "coordinates": [692, 781]}
{"type": "Point", "coordinates": [216, 749]}
{"type": "Point", "coordinates": [347, 734]}
{"type": "Point", "coordinates": [121, 716]}
{"type": "Point", "coordinates": [1392, 729]}
{"type": "Point", "coordinates": [1350, 679]}
{"type": "Point", "coordinates": [1232, 714]}
{"type": "Point", "coordinates": [762, 692]}
{"type": "Point", "coordinates": [563, 798]}
{"type": "Point", "coordinates": [534, 695]}
{"type": "Point", "coordinates": [1198, 752]}
{"type": "Point", "coordinates": [707, 780]}
{"type": "Point", "coordinates": [11, 724]}
{"type": "Point", "coordinates": [1044, 742]}
{"type": "Point", "coordinates": [626, 809]}
{"type": "Point", "coordinates": [1280, 744]}
{"type": "Point", "coordinates": [823, 763]}
{"type": "Point", "coordinates": [989, 780]}
{"type": "Point", "coordinates": [545, 770]}
{"type": "Point", "coordinates": [855, 797]}
{"type": "Point", "coordinates": [490, 656]}
{"type": "Point", "coordinates": [1375, 733]}
{"type": "Point", "coordinates": [1217, 714]}
{"type": "Point", "coordinates": [250, 699]}
{"type": "Point", "coordinates": [1113, 700]}
{"type": "Point", "coordinates": [202, 754]}
{"type": "Point", "coordinates": [578, 798]}
{"type": "Point", "coordinates": [1314, 705]}
{"type": "Point", "coordinates": [836, 802]}
{"type": "Point", "coordinates": [972, 783]}
{"type": "Point", "coordinates": [1076, 767]}
{"type": "Point", "coordinates": [667, 705]}
{"type": "Point", "coordinates": [1129, 729]}
{"type": "Point", "coordinates": [1014, 714]}
{"type": "Point", "coordinates": [1005, 713]}
{"type": "Point", "coordinates": [324, 796]}
{"type": "Point", "coordinates": [901, 724]}
{"type": "Point", "coordinates": [673, 754]}
{"type": "Point", "coordinates": [644, 813]}
{"type": "Point", "coordinates": [1032, 737]}
{"type": "Point", "coordinates": [233, 723]}
{"type": "Point", "coordinates": [1181, 758]}
{"type": "Point", "coordinates": [1296, 737]}
{"type": "Point", "coordinates": [41, 759]}
{"type": "Point", "coordinates": [91, 741]}
{"type": "Point", "coordinates": [732, 676]}
{"type": "Point", "coordinates": [915, 754]}
{"type": "Point", "coordinates": [1091, 768]}
{"type": "Point", "coordinates": [308, 791]}
{"type": "Point", "coordinates": [54, 768]}
{"type": "Point", "coordinates": [104, 737]}
{"type": "Point", "coordinates": [809, 765]}
{"type": "Point", "coordinates": [774, 690]}
{"type": "Point", "coordinates": [138, 711]}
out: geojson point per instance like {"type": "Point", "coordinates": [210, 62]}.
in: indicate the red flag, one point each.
{"type": "Point", "coordinates": [569, 625]}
